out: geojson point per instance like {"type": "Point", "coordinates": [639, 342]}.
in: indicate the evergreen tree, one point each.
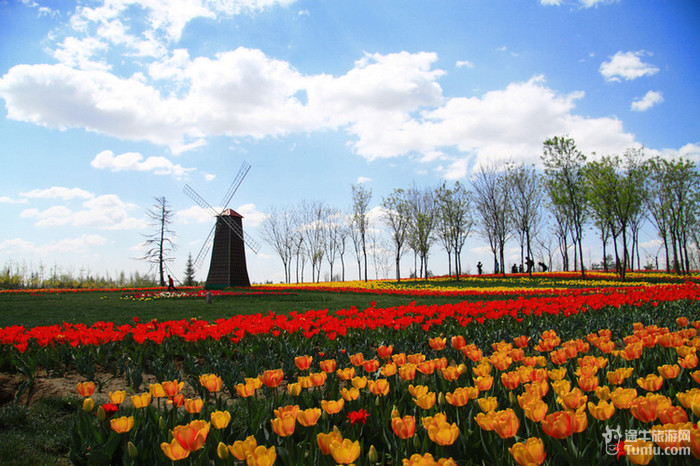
{"type": "Point", "coordinates": [189, 271]}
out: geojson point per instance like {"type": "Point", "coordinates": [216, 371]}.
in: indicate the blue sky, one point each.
{"type": "Point", "coordinates": [107, 105]}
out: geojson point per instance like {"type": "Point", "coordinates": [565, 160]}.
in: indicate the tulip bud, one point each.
{"type": "Point", "coordinates": [88, 405]}
{"type": "Point", "coordinates": [133, 451]}
{"type": "Point", "coordinates": [101, 415]}
{"type": "Point", "coordinates": [376, 401]}
{"type": "Point", "coordinates": [373, 455]}
{"type": "Point", "coordinates": [441, 399]}
{"type": "Point", "coordinates": [416, 442]}
{"type": "Point", "coordinates": [161, 423]}
{"type": "Point", "coordinates": [222, 450]}
{"type": "Point", "coordinates": [395, 412]}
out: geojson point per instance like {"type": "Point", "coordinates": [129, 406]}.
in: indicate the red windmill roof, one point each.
{"type": "Point", "coordinates": [230, 213]}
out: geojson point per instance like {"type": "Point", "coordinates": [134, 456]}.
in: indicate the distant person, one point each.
{"type": "Point", "coordinates": [529, 263]}
{"type": "Point", "coordinates": [496, 267]}
{"type": "Point", "coordinates": [479, 266]}
{"type": "Point", "coordinates": [543, 266]}
{"type": "Point", "coordinates": [514, 269]}
{"type": "Point", "coordinates": [171, 284]}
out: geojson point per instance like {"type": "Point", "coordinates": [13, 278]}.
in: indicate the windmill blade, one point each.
{"type": "Point", "coordinates": [245, 167]}
{"type": "Point", "coordinates": [250, 242]}
{"type": "Point", "coordinates": [205, 249]}
{"type": "Point", "coordinates": [192, 194]}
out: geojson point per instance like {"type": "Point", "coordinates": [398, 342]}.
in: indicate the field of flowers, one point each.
{"type": "Point", "coordinates": [554, 374]}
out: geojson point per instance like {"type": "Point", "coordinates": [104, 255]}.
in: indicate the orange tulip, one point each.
{"type": "Point", "coordinates": [418, 390]}
{"type": "Point", "coordinates": [529, 453]}
{"type": "Point", "coordinates": [318, 378]}
{"type": "Point", "coordinates": [601, 411]}
{"type": "Point", "coordinates": [622, 397]}
{"type": "Point", "coordinates": [345, 451]}
{"type": "Point", "coordinates": [521, 341]}
{"type": "Point", "coordinates": [346, 374]}
{"type": "Point", "coordinates": [272, 378]}
{"type": "Point", "coordinates": [482, 369]}
{"type": "Point", "coordinates": [172, 388]}
{"type": "Point", "coordinates": [443, 433]}
{"type": "Point", "coordinates": [485, 420]}
{"type": "Point", "coordinates": [426, 367]}
{"type": "Point", "coordinates": [86, 389]}
{"type": "Point", "coordinates": [618, 376]}
{"type": "Point", "coordinates": [574, 399]}
{"type": "Point", "coordinates": [644, 409]}
{"type": "Point", "coordinates": [328, 365]}
{"type": "Point", "coordinates": [294, 389]}
{"type": "Point", "coordinates": [588, 383]}
{"type": "Point", "coordinates": [122, 424]}
{"type": "Point", "coordinates": [262, 456]}
{"type": "Point", "coordinates": [407, 371]}
{"type": "Point", "coordinates": [157, 390]}
{"type": "Point", "coordinates": [245, 390]}
{"type": "Point", "coordinates": [284, 425]}
{"type": "Point", "coordinates": [357, 359]}
{"type": "Point", "coordinates": [303, 362]}
{"type": "Point", "coordinates": [220, 419]}
{"type": "Point", "coordinates": [379, 387]}
{"type": "Point", "coordinates": [309, 417]}
{"type": "Point", "coordinates": [559, 424]}
{"type": "Point", "coordinates": [399, 359]}
{"type": "Point", "coordinates": [651, 382]}
{"type": "Point", "coordinates": [536, 410]}
{"type": "Point", "coordinates": [557, 374]}
{"type": "Point", "coordinates": [505, 423]}
{"type": "Point", "coordinates": [462, 395]}
{"type": "Point", "coordinates": [332, 406]}
{"type": "Point", "coordinates": [426, 401]}
{"type": "Point", "coordinates": [324, 441]}
{"type": "Point", "coordinates": [603, 393]}
{"type": "Point", "coordinates": [193, 435]}
{"type": "Point", "coordinates": [451, 373]}
{"type": "Point", "coordinates": [669, 371]}
{"type": "Point", "coordinates": [696, 376]}
{"type": "Point", "coordinates": [350, 394]}
{"type": "Point", "coordinates": [117, 397]}
{"type": "Point", "coordinates": [359, 382]}
{"type": "Point", "coordinates": [242, 448]}
{"type": "Point", "coordinates": [458, 342]}
{"type": "Point", "coordinates": [689, 361]}
{"type": "Point", "coordinates": [389, 369]}
{"type": "Point", "coordinates": [483, 383]}
{"type": "Point", "coordinates": [672, 415]}
{"type": "Point", "coordinates": [141, 401]}
{"type": "Point", "coordinates": [174, 450]}
{"type": "Point", "coordinates": [510, 380]}
{"type": "Point", "coordinates": [437, 343]}
{"type": "Point", "coordinates": [404, 427]}
{"type": "Point", "coordinates": [639, 451]}
{"type": "Point", "coordinates": [193, 406]}
{"type": "Point", "coordinates": [488, 404]}
{"type": "Point", "coordinates": [371, 365]}
{"type": "Point", "coordinates": [384, 351]}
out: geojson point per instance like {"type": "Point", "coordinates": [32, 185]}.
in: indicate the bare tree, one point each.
{"type": "Point", "coordinates": [396, 215]}
{"type": "Point", "coordinates": [423, 221]}
{"type": "Point", "coordinates": [312, 230]}
{"type": "Point", "coordinates": [278, 229]}
{"type": "Point", "coordinates": [492, 202]}
{"type": "Point", "coordinates": [527, 199]}
{"type": "Point", "coordinates": [159, 243]}
{"type": "Point", "coordinates": [360, 201]}
{"type": "Point", "coordinates": [335, 234]}
{"type": "Point", "coordinates": [455, 221]}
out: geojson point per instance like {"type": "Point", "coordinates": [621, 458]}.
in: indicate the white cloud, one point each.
{"type": "Point", "coordinates": [550, 2]}
{"type": "Point", "coordinates": [464, 64]}
{"type": "Point", "coordinates": [194, 214]}
{"type": "Point", "coordinates": [251, 216]}
{"type": "Point", "coordinates": [595, 3]}
{"type": "Point", "coordinates": [363, 179]}
{"type": "Point", "coordinates": [133, 161]}
{"type": "Point", "coordinates": [106, 212]}
{"type": "Point", "coordinates": [82, 244]}
{"type": "Point", "coordinates": [627, 65]}
{"type": "Point", "coordinates": [10, 200]}
{"type": "Point", "coordinates": [650, 99]}
{"type": "Point", "coordinates": [58, 192]}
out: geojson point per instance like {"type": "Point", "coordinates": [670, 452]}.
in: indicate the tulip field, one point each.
{"type": "Point", "coordinates": [551, 369]}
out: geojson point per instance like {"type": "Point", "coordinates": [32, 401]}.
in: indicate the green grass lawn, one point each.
{"type": "Point", "coordinates": [93, 306]}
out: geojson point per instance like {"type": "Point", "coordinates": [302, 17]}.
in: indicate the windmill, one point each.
{"type": "Point", "coordinates": [226, 240]}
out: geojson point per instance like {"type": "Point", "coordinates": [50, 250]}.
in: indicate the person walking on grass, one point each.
{"type": "Point", "coordinates": [171, 284]}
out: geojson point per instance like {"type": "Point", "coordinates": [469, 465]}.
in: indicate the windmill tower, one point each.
{"type": "Point", "coordinates": [226, 240]}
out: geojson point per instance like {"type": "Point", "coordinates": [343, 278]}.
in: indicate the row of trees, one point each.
{"type": "Point", "coordinates": [613, 194]}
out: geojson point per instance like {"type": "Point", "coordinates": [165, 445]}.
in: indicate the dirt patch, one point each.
{"type": "Point", "coordinates": [63, 387]}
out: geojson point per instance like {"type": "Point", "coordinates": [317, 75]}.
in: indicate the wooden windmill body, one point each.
{"type": "Point", "coordinates": [226, 240]}
{"type": "Point", "coordinates": [228, 265]}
